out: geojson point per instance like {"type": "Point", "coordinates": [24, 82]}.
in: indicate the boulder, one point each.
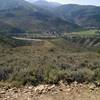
{"type": "Point", "coordinates": [39, 89]}
{"type": "Point", "coordinates": [92, 86]}
{"type": "Point", "coordinates": [2, 92]}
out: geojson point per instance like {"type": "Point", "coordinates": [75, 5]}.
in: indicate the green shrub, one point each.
{"type": "Point", "coordinates": [4, 72]}
{"type": "Point", "coordinates": [81, 75]}
{"type": "Point", "coordinates": [48, 64]}
{"type": "Point", "coordinates": [98, 50]}
{"type": "Point", "coordinates": [97, 74]}
{"type": "Point", "coordinates": [24, 76]}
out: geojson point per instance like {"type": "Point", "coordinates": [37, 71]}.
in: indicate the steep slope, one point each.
{"type": "Point", "coordinates": [87, 16]}
{"type": "Point", "coordinates": [8, 29]}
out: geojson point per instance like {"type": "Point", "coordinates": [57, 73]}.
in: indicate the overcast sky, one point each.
{"type": "Point", "coordinates": [82, 2]}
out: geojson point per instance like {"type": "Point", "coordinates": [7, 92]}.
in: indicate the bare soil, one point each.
{"type": "Point", "coordinates": [73, 92]}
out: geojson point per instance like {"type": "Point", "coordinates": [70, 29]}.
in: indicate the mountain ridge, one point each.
{"type": "Point", "coordinates": [83, 15]}
{"type": "Point", "coordinates": [32, 19]}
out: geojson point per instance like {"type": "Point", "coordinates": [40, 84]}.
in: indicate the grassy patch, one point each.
{"type": "Point", "coordinates": [88, 33]}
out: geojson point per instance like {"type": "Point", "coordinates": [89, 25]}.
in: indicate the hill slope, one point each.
{"type": "Point", "coordinates": [32, 19]}
{"type": "Point", "coordinates": [86, 16]}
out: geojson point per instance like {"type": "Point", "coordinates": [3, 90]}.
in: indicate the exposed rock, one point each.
{"type": "Point", "coordinates": [51, 87]}
{"type": "Point", "coordinates": [61, 83]}
{"type": "Point", "coordinates": [39, 89]}
{"type": "Point", "coordinates": [75, 83]}
{"type": "Point", "coordinates": [97, 84]}
{"type": "Point", "coordinates": [92, 87]}
{"type": "Point", "coordinates": [42, 91]}
{"type": "Point", "coordinates": [30, 87]}
{"type": "Point", "coordinates": [55, 93]}
{"type": "Point", "coordinates": [6, 87]}
{"type": "Point", "coordinates": [69, 89]}
{"type": "Point", "coordinates": [2, 92]}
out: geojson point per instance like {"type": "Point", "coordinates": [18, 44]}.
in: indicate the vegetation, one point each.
{"type": "Point", "coordinates": [8, 42]}
{"type": "Point", "coordinates": [46, 17]}
{"type": "Point", "coordinates": [87, 33]}
{"type": "Point", "coordinates": [48, 61]}
{"type": "Point", "coordinates": [86, 16]}
{"type": "Point", "coordinates": [31, 18]}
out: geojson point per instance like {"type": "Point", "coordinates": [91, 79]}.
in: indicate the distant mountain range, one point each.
{"type": "Point", "coordinates": [20, 16]}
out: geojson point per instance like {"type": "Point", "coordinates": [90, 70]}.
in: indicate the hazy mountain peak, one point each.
{"type": "Point", "coordinates": [44, 3]}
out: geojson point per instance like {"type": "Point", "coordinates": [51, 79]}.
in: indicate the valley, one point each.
{"type": "Point", "coordinates": [49, 51]}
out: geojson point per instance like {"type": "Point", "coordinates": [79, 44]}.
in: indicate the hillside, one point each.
{"type": "Point", "coordinates": [47, 61]}
{"type": "Point", "coordinates": [86, 16]}
{"type": "Point", "coordinates": [48, 51]}
{"type": "Point", "coordinates": [19, 16]}
{"type": "Point", "coordinates": [6, 29]}
{"type": "Point", "coordinates": [49, 69]}
{"type": "Point", "coordinates": [6, 42]}
{"type": "Point", "coordinates": [9, 4]}
{"type": "Point", "coordinates": [29, 18]}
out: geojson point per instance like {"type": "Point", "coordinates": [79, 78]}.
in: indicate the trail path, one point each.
{"type": "Point", "coordinates": [79, 92]}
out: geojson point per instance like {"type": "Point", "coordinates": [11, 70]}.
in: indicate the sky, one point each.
{"type": "Point", "coordinates": [82, 2]}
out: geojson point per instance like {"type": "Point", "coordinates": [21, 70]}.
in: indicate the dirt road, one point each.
{"type": "Point", "coordinates": [27, 39]}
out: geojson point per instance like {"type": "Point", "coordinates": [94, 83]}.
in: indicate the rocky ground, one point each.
{"type": "Point", "coordinates": [51, 92]}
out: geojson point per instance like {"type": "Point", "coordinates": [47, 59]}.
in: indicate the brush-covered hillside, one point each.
{"type": "Point", "coordinates": [47, 61]}
{"type": "Point", "coordinates": [26, 17]}
{"type": "Point", "coordinates": [84, 15]}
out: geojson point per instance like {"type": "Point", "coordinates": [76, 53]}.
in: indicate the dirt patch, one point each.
{"type": "Point", "coordinates": [62, 92]}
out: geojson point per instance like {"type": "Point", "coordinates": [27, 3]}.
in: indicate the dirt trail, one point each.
{"type": "Point", "coordinates": [79, 92]}
{"type": "Point", "coordinates": [27, 39]}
